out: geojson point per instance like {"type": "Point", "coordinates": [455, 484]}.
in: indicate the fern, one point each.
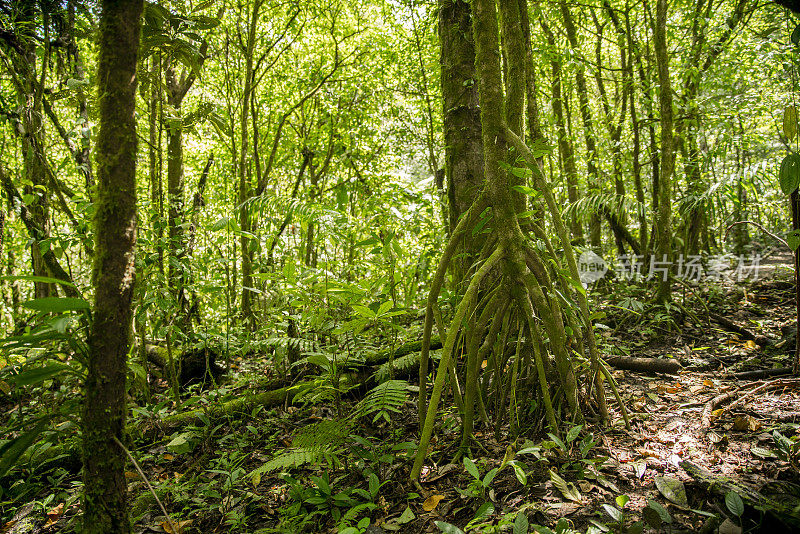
{"type": "Point", "coordinates": [403, 363]}
{"type": "Point", "coordinates": [383, 398]}
{"type": "Point", "coordinates": [603, 201]}
{"type": "Point", "coordinates": [312, 444]}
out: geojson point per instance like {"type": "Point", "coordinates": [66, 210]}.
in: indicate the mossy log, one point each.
{"type": "Point", "coordinates": [67, 455]}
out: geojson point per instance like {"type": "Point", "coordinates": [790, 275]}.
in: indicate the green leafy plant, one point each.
{"type": "Point", "coordinates": [655, 515]}
{"type": "Point", "coordinates": [314, 443]}
{"type": "Point", "coordinates": [383, 400]}
{"type": "Point", "coordinates": [576, 453]}
{"type": "Point", "coordinates": [787, 449]}
{"type": "Point", "coordinates": [620, 518]}
{"type": "Point", "coordinates": [735, 505]}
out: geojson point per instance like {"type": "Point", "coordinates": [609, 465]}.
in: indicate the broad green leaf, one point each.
{"type": "Point", "coordinates": [789, 175]}
{"type": "Point", "coordinates": [567, 489]}
{"type": "Point", "coordinates": [557, 441]}
{"type": "Point", "coordinates": [759, 451]}
{"type": "Point", "coordinates": [673, 490]}
{"type": "Point", "coordinates": [407, 516]}
{"type": "Point", "coordinates": [734, 503]}
{"type": "Point", "coordinates": [40, 374]}
{"type": "Point", "coordinates": [11, 451]}
{"type": "Point", "coordinates": [485, 510]}
{"type": "Point", "coordinates": [622, 500]}
{"type": "Point", "coordinates": [790, 122]}
{"type": "Point", "coordinates": [521, 524]}
{"type": "Point", "coordinates": [796, 35]}
{"type": "Point", "coordinates": [179, 444]}
{"type": "Point", "coordinates": [613, 512]}
{"type": "Point", "coordinates": [43, 279]}
{"type": "Point", "coordinates": [519, 472]}
{"type": "Point", "coordinates": [793, 239]}
{"type": "Point", "coordinates": [447, 528]}
{"type": "Point", "coordinates": [573, 432]}
{"type": "Point", "coordinates": [524, 189]}
{"type": "Point", "coordinates": [471, 468]}
{"type": "Point", "coordinates": [385, 307]}
{"type": "Point", "coordinates": [56, 304]}
{"type": "Point", "coordinates": [364, 311]}
{"type": "Point", "coordinates": [487, 480]}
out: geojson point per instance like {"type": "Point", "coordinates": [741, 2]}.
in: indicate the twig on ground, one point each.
{"type": "Point", "coordinates": [172, 526]}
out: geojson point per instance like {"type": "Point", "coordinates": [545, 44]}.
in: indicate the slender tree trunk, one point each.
{"type": "Point", "coordinates": [30, 100]}
{"type": "Point", "coordinates": [461, 120]}
{"type": "Point", "coordinates": [636, 151]}
{"type": "Point", "coordinates": [244, 176]}
{"type": "Point", "coordinates": [104, 409]}
{"type": "Point", "coordinates": [154, 155]}
{"type": "Point", "coordinates": [565, 148]}
{"type": "Point", "coordinates": [664, 214]}
{"type": "Point", "coordinates": [593, 178]}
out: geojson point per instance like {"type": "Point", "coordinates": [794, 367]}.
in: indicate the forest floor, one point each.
{"type": "Point", "coordinates": [595, 479]}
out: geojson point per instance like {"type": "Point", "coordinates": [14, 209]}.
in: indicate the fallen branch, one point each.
{"type": "Point", "coordinates": [705, 416]}
{"type": "Point", "coordinates": [645, 365]}
{"type": "Point", "coordinates": [762, 373]}
{"type": "Point", "coordinates": [705, 419]}
{"type": "Point", "coordinates": [743, 333]}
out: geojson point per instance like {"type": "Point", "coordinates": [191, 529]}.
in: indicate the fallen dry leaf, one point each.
{"type": "Point", "coordinates": [432, 502]}
{"type": "Point", "coordinates": [743, 423]}
{"type": "Point", "coordinates": [180, 526]}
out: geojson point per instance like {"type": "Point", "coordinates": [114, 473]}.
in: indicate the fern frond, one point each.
{"type": "Point", "coordinates": [315, 442]}
{"type": "Point", "coordinates": [403, 363]}
{"type": "Point", "coordinates": [386, 397]}
{"type": "Point", "coordinates": [603, 201]}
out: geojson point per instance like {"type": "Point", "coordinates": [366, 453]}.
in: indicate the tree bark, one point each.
{"type": "Point", "coordinates": [244, 173]}
{"type": "Point", "coordinates": [593, 178]}
{"type": "Point", "coordinates": [461, 121]}
{"type": "Point", "coordinates": [565, 148]}
{"type": "Point", "coordinates": [104, 409]}
{"type": "Point", "coordinates": [664, 214]}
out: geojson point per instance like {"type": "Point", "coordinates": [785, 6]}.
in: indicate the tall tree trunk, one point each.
{"type": "Point", "coordinates": [30, 95]}
{"type": "Point", "coordinates": [461, 121]}
{"type": "Point", "coordinates": [104, 409]}
{"type": "Point", "coordinates": [636, 151]}
{"type": "Point", "coordinates": [244, 173]}
{"type": "Point", "coordinates": [565, 148]}
{"type": "Point", "coordinates": [593, 178]}
{"type": "Point", "coordinates": [154, 158]}
{"type": "Point", "coordinates": [664, 214]}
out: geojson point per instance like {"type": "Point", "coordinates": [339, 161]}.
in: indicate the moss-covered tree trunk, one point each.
{"type": "Point", "coordinates": [178, 86]}
{"type": "Point", "coordinates": [664, 214]}
{"type": "Point", "coordinates": [516, 287]}
{"type": "Point", "coordinates": [566, 151]}
{"type": "Point", "coordinates": [104, 503]}
{"type": "Point", "coordinates": [244, 171]}
{"type": "Point", "coordinates": [593, 177]}
{"type": "Point", "coordinates": [463, 152]}
{"type": "Point", "coordinates": [461, 120]}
